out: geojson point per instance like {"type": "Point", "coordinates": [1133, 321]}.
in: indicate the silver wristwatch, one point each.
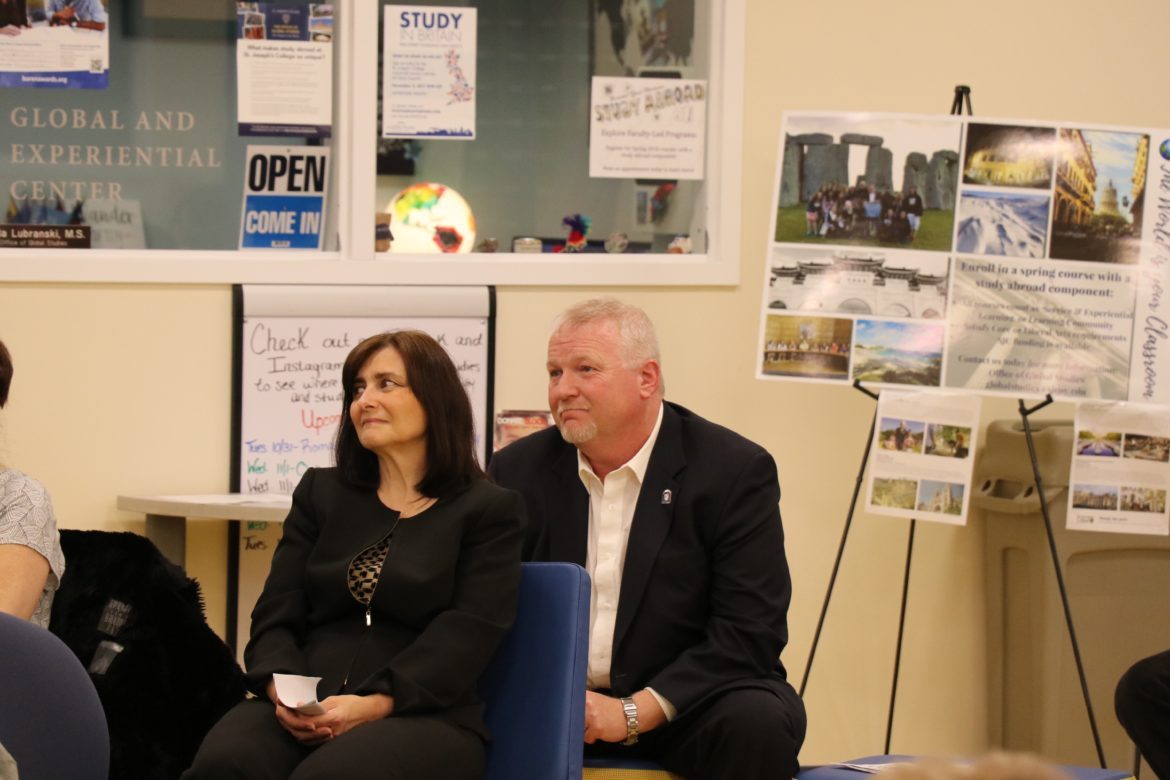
{"type": "Point", "coordinates": [631, 710]}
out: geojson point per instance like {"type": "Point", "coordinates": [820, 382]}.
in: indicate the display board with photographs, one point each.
{"type": "Point", "coordinates": [998, 257]}
{"type": "Point", "coordinates": [1120, 470]}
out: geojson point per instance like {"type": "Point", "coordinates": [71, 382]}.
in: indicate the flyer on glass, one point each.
{"type": "Point", "coordinates": [55, 44]}
{"type": "Point", "coordinates": [647, 128]}
{"type": "Point", "coordinates": [513, 424]}
{"type": "Point", "coordinates": [428, 72]}
{"type": "Point", "coordinates": [1000, 257]}
{"type": "Point", "coordinates": [637, 36]}
{"type": "Point", "coordinates": [1120, 469]}
{"type": "Point", "coordinates": [284, 69]}
{"type": "Point", "coordinates": [922, 455]}
{"type": "Point", "coordinates": [285, 190]}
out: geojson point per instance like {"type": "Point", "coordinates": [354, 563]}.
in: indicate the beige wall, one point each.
{"type": "Point", "coordinates": [122, 389]}
{"type": "Point", "coordinates": [126, 389]}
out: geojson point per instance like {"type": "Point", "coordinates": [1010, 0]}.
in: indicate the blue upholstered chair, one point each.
{"type": "Point", "coordinates": [535, 684]}
{"type": "Point", "coordinates": [51, 720]}
{"type": "Point", "coordinates": [832, 772]}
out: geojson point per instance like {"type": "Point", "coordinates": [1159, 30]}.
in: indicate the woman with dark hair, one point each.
{"type": "Point", "coordinates": [13, 16]}
{"type": "Point", "coordinates": [31, 561]}
{"type": "Point", "coordinates": [394, 581]}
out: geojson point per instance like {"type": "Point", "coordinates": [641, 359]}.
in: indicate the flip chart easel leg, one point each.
{"type": "Point", "coordinates": [962, 99]}
{"type": "Point", "coordinates": [1025, 412]}
{"type": "Point", "coordinates": [837, 566]}
{"type": "Point", "coordinates": [901, 632]}
{"type": "Point", "coordinates": [840, 547]}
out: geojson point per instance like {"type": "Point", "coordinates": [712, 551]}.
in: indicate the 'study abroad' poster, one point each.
{"type": "Point", "coordinates": [428, 72]}
{"type": "Point", "coordinates": [1000, 257]}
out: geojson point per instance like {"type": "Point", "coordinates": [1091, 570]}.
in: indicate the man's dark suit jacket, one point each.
{"type": "Point", "coordinates": [705, 589]}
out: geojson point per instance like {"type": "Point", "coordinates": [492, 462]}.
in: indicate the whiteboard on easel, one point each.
{"type": "Point", "coordinates": [290, 342]}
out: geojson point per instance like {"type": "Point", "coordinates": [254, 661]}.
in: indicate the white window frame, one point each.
{"type": "Point", "coordinates": [354, 151]}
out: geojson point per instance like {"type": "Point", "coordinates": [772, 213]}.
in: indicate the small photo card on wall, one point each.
{"type": "Point", "coordinates": [921, 460]}
{"type": "Point", "coordinates": [1120, 470]}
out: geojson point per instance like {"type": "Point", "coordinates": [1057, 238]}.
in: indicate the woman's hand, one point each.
{"type": "Point", "coordinates": [304, 728]}
{"type": "Point", "coordinates": [342, 713]}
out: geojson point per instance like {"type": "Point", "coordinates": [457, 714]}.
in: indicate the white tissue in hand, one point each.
{"type": "Point", "coordinates": [298, 692]}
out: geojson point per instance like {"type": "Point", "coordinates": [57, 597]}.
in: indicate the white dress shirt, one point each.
{"type": "Point", "coordinates": [611, 512]}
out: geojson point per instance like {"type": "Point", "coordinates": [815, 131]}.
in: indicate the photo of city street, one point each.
{"type": "Point", "coordinates": [1142, 447]}
{"type": "Point", "coordinates": [1139, 499]}
{"type": "Point", "coordinates": [942, 497]}
{"type": "Point", "coordinates": [1100, 195]}
{"type": "Point", "coordinates": [1095, 497]}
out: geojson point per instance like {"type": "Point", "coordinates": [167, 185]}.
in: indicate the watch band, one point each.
{"type": "Point", "coordinates": [631, 710]}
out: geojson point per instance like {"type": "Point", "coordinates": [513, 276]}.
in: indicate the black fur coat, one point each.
{"type": "Point", "coordinates": [136, 622]}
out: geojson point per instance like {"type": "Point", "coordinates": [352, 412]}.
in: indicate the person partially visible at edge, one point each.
{"type": "Point", "coordinates": [89, 14]}
{"type": "Point", "coordinates": [13, 17]}
{"type": "Point", "coordinates": [31, 561]}
{"type": "Point", "coordinates": [394, 581]}
{"type": "Point", "coordinates": [1142, 704]}
{"type": "Point", "coordinates": [677, 521]}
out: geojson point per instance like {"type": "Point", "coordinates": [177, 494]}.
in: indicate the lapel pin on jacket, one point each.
{"type": "Point", "coordinates": [667, 496]}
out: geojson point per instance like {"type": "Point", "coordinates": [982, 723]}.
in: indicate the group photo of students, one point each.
{"type": "Point", "coordinates": [836, 211]}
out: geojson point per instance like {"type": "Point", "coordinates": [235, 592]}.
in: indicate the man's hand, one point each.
{"type": "Point", "coordinates": [64, 16]}
{"type": "Point", "coordinates": [605, 720]}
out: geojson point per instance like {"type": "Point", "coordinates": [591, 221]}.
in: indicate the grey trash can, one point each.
{"type": "Point", "coordinates": [1117, 586]}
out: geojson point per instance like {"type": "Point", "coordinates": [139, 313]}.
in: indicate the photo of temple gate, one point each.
{"type": "Point", "coordinates": [859, 282]}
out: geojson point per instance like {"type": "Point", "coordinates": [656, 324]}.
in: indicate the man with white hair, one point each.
{"type": "Point", "coordinates": [677, 521]}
